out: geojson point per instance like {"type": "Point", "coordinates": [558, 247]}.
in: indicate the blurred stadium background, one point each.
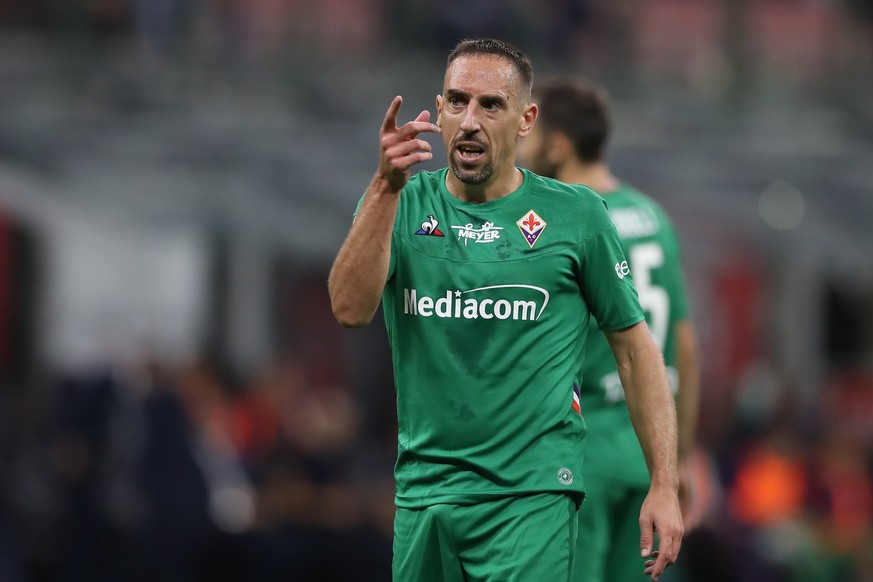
{"type": "Point", "coordinates": [176, 401]}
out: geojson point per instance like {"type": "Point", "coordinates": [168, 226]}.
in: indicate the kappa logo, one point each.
{"type": "Point", "coordinates": [532, 226]}
{"type": "Point", "coordinates": [622, 270]}
{"type": "Point", "coordinates": [486, 234]}
{"type": "Point", "coordinates": [429, 227]}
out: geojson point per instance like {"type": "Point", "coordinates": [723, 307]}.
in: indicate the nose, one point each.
{"type": "Point", "coordinates": [470, 122]}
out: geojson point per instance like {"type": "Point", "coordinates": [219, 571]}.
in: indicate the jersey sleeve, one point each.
{"type": "Point", "coordinates": [606, 281]}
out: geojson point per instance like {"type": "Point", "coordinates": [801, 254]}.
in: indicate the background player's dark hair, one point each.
{"type": "Point", "coordinates": [491, 46]}
{"type": "Point", "coordinates": [579, 110]}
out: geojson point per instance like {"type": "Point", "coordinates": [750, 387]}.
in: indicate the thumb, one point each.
{"type": "Point", "coordinates": [647, 537]}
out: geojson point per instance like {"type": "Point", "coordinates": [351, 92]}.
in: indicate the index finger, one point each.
{"type": "Point", "coordinates": [390, 122]}
{"type": "Point", "coordinates": [668, 548]}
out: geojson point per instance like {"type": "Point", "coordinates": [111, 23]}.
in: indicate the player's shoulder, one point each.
{"type": "Point", "coordinates": [571, 196]}
{"type": "Point", "coordinates": [422, 189]}
{"type": "Point", "coordinates": [635, 197]}
{"type": "Point", "coordinates": [424, 181]}
{"type": "Point", "coordinates": [636, 214]}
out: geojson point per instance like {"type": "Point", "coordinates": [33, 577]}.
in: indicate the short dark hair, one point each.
{"type": "Point", "coordinates": [492, 46]}
{"type": "Point", "coordinates": [579, 110]}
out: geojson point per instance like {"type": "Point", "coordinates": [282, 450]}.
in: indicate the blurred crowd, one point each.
{"type": "Point", "coordinates": [785, 495]}
{"type": "Point", "coordinates": [139, 470]}
{"type": "Point", "coordinates": [788, 38]}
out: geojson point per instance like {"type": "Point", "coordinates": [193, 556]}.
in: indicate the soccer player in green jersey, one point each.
{"type": "Point", "coordinates": [568, 144]}
{"type": "Point", "coordinates": [488, 275]}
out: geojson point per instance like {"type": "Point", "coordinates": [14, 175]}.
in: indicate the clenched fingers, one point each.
{"type": "Point", "coordinates": [402, 156]}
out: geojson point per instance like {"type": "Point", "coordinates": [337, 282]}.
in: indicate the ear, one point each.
{"type": "Point", "coordinates": [528, 118]}
{"type": "Point", "coordinates": [439, 109]}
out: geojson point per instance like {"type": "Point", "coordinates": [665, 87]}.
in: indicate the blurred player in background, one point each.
{"type": "Point", "coordinates": [568, 144]}
{"type": "Point", "coordinates": [487, 274]}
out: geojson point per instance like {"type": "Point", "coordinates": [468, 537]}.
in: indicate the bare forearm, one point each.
{"type": "Point", "coordinates": [688, 399]}
{"type": "Point", "coordinates": [652, 411]}
{"type": "Point", "coordinates": [358, 275]}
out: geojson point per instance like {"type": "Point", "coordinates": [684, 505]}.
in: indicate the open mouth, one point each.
{"type": "Point", "coordinates": [470, 152]}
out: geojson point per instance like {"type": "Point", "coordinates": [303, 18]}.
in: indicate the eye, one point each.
{"type": "Point", "coordinates": [455, 101]}
{"type": "Point", "coordinates": [490, 105]}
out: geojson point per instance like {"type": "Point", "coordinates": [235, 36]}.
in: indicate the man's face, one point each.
{"type": "Point", "coordinates": [533, 153]}
{"type": "Point", "coordinates": [483, 110]}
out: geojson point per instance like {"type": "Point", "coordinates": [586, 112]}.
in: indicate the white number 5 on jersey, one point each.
{"type": "Point", "coordinates": [644, 259]}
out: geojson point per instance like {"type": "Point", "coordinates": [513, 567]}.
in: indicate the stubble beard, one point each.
{"type": "Point", "coordinates": [473, 177]}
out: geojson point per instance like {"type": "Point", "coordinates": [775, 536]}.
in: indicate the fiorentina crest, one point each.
{"type": "Point", "coordinates": [532, 226]}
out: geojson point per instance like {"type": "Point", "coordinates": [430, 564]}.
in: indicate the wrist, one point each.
{"type": "Point", "coordinates": [381, 185]}
{"type": "Point", "coordinates": [665, 481]}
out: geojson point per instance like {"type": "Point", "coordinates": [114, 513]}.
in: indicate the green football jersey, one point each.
{"type": "Point", "coordinates": [486, 307]}
{"type": "Point", "coordinates": [652, 250]}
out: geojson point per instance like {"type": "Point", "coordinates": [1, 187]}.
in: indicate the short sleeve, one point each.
{"type": "Point", "coordinates": [606, 281]}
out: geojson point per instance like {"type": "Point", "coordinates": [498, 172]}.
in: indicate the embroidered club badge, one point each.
{"type": "Point", "coordinates": [532, 226]}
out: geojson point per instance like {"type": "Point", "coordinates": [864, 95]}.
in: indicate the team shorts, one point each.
{"type": "Point", "coordinates": [608, 543]}
{"type": "Point", "coordinates": [510, 539]}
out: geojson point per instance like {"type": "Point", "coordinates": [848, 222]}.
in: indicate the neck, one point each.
{"type": "Point", "coordinates": [596, 176]}
{"type": "Point", "coordinates": [497, 187]}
